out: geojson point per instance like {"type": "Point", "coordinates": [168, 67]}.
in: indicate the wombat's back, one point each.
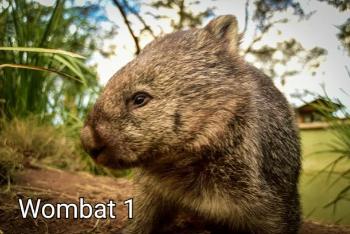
{"type": "Point", "coordinates": [279, 145]}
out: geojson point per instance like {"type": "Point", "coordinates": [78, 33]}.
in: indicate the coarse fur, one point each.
{"type": "Point", "coordinates": [216, 137]}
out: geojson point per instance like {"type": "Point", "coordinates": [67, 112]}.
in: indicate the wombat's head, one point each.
{"type": "Point", "coordinates": [178, 95]}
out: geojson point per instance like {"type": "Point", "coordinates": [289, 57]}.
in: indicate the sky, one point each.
{"type": "Point", "coordinates": [319, 30]}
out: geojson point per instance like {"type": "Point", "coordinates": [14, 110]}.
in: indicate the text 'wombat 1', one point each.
{"type": "Point", "coordinates": [208, 133]}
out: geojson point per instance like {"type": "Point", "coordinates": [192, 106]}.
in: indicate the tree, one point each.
{"type": "Point", "coordinates": [186, 18]}
{"type": "Point", "coordinates": [344, 35]}
{"type": "Point", "coordinates": [344, 29]}
{"type": "Point", "coordinates": [274, 57]}
{"type": "Point", "coordinates": [263, 19]}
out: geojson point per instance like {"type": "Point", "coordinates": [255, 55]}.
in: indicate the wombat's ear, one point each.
{"type": "Point", "coordinates": [225, 28]}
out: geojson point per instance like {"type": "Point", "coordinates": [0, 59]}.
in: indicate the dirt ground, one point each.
{"type": "Point", "coordinates": [55, 186]}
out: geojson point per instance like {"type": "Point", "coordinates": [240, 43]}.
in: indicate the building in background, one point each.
{"type": "Point", "coordinates": [313, 115]}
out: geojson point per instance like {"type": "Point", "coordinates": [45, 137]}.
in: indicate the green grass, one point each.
{"type": "Point", "coordinates": [38, 76]}
{"type": "Point", "coordinates": [317, 188]}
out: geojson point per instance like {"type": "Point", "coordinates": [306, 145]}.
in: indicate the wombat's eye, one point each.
{"type": "Point", "coordinates": [140, 99]}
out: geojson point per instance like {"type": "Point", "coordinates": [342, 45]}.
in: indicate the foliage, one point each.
{"type": "Point", "coordinates": [282, 54]}
{"type": "Point", "coordinates": [344, 29]}
{"type": "Point", "coordinates": [275, 60]}
{"type": "Point", "coordinates": [340, 128]}
{"type": "Point", "coordinates": [265, 10]}
{"type": "Point", "coordinates": [341, 5]}
{"type": "Point", "coordinates": [66, 87]}
{"type": "Point", "coordinates": [344, 35]}
{"type": "Point", "coordinates": [23, 94]}
{"type": "Point", "coordinates": [186, 18]}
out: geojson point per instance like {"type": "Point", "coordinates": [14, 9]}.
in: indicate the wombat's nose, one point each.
{"type": "Point", "coordinates": [89, 142]}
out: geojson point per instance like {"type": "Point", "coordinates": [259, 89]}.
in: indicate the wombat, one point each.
{"type": "Point", "coordinates": [208, 132]}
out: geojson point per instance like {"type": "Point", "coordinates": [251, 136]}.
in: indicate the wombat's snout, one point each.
{"type": "Point", "coordinates": [89, 142]}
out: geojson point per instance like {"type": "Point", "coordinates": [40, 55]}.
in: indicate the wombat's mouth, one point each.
{"type": "Point", "coordinates": [100, 158]}
{"type": "Point", "coordinates": [109, 159]}
{"type": "Point", "coordinates": [96, 152]}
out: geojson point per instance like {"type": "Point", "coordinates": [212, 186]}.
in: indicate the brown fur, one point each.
{"type": "Point", "coordinates": [215, 138]}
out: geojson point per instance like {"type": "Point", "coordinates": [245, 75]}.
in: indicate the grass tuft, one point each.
{"type": "Point", "coordinates": [26, 141]}
{"type": "Point", "coordinates": [31, 141]}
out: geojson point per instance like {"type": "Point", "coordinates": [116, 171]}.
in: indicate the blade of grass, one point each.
{"type": "Point", "coordinates": [72, 67]}
{"type": "Point", "coordinates": [43, 50]}
{"type": "Point", "coordinates": [40, 69]}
